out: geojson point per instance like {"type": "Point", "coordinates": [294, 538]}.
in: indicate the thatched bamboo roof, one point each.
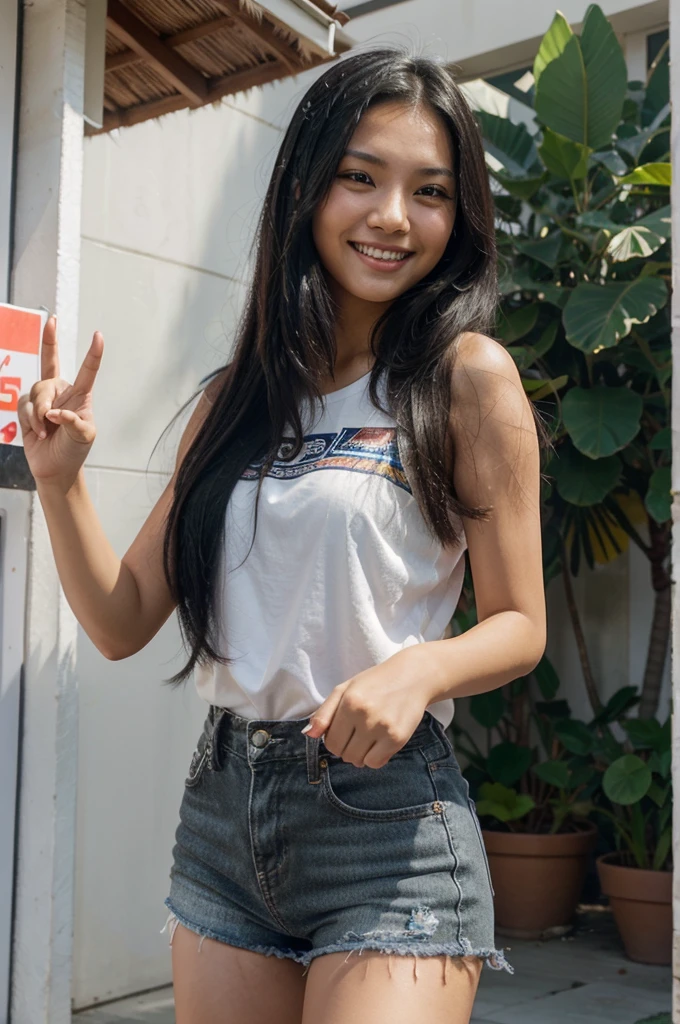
{"type": "Point", "coordinates": [162, 55]}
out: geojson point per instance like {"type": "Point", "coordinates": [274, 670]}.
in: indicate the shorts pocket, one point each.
{"type": "Point", "coordinates": [400, 790]}
{"type": "Point", "coordinates": [200, 760]}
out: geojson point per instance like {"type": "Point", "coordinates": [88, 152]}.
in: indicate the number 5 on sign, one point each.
{"type": "Point", "coordinates": [20, 334]}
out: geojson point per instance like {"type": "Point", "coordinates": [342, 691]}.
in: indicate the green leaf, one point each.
{"type": "Point", "coordinates": [547, 678]}
{"type": "Point", "coordinates": [634, 242]}
{"type": "Point", "coordinates": [545, 250]}
{"type": "Point", "coordinates": [598, 316]}
{"type": "Point", "coordinates": [660, 763]}
{"type": "Point", "coordinates": [660, 854]}
{"type": "Point", "coordinates": [562, 157]}
{"type": "Point", "coordinates": [657, 93]}
{"type": "Point", "coordinates": [507, 762]}
{"type": "Point", "coordinates": [500, 802]}
{"type": "Point", "coordinates": [661, 441]}
{"type": "Point", "coordinates": [539, 389]}
{"type": "Point", "coordinates": [553, 709]}
{"type": "Point", "coordinates": [657, 793]}
{"type": "Point", "coordinates": [487, 708]}
{"type": "Point", "coordinates": [522, 188]}
{"type": "Point", "coordinates": [635, 144]}
{"type": "Point", "coordinates": [513, 326]}
{"type": "Point", "coordinates": [621, 701]}
{"type": "Point", "coordinates": [509, 143]}
{"type": "Point", "coordinates": [627, 780]}
{"type": "Point", "coordinates": [575, 736]}
{"type": "Point", "coordinates": [555, 773]}
{"type": "Point", "coordinates": [580, 92]}
{"type": "Point", "coordinates": [607, 76]}
{"type": "Point", "coordinates": [644, 733]}
{"type": "Point", "coordinates": [612, 160]}
{"type": "Point", "coordinates": [552, 44]}
{"type": "Point", "coordinates": [648, 174]}
{"type": "Point", "coordinates": [597, 219]}
{"type": "Point", "coordinates": [658, 499]}
{"type": "Point", "coordinates": [583, 481]}
{"type": "Point", "coordinates": [659, 222]}
{"type": "Point", "coordinates": [601, 420]}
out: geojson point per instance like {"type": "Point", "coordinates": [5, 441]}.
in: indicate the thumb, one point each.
{"type": "Point", "coordinates": [320, 720]}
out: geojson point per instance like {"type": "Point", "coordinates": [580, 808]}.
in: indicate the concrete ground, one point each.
{"type": "Point", "coordinates": [582, 978]}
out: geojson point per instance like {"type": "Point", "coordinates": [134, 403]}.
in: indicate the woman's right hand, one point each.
{"type": "Point", "coordinates": [56, 417]}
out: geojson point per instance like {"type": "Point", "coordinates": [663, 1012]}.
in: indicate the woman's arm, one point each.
{"type": "Point", "coordinates": [496, 464]}
{"type": "Point", "coordinates": [121, 603]}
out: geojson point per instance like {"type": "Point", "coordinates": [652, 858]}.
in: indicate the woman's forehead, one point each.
{"type": "Point", "coordinates": [414, 134]}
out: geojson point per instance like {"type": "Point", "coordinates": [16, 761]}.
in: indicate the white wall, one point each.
{"type": "Point", "coordinates": [168, 212]}
{"type": "Point", "coordinates": [8, 68]}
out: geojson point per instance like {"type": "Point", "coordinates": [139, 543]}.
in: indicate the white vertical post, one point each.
{"type": "Point", "coordinates": [674, 17]}
{"type": "Point", "coordinates": [46, 272]}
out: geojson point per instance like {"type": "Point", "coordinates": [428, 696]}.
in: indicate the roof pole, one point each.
{"type": "Point", "coordinates": [46, 271]}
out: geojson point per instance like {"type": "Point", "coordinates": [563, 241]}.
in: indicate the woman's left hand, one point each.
{"type": "Point", "coordinates": [367, 719]}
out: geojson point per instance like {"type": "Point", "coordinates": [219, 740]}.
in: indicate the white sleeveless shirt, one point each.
{"type": "Point", "coordinates": [343, 572]}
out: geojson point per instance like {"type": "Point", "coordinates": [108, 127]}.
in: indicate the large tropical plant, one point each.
{"type": "Point", "coordinates": [582, 197]}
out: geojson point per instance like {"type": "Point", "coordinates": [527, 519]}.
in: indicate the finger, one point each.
{"type": "Point", "coordinates": [23, 415]}
{"type": "Point", "coordinates": [49, 354]}
{"type": "Point", "coordinates": [321, 719]}
{"type": "Point", "coordinates": [379, 754]}
{"type": "Point", "coordinates": [87, 373]}
{"type": "Point", "coordinates": [76, 428]}
{"type": "Point", "coordinates": [42, 396]}
{"type": "Point", "coordinates": [356, 749]}
{"type": "Point", "coordinates": [33, 419]}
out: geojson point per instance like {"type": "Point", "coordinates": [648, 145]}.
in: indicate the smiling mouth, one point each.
{"type": "Point", "coordinates": [382, 255]}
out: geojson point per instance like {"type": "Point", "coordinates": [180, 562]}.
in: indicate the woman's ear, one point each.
{"type": "Point", "coordinates": [297, 190]}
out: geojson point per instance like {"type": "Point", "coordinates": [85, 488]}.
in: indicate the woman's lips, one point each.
{"type": "Point", "coordinates": [387, 266]}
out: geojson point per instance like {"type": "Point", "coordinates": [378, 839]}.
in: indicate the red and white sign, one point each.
{"type": "Point", "coordinates": [20, 336]}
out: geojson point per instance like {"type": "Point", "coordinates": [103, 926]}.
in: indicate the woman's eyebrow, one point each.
{"type": "Point", "coordinates": [372, 159]}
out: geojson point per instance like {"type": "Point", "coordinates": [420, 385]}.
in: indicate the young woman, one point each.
{"type": "Point", "coordinates": [333, 872]}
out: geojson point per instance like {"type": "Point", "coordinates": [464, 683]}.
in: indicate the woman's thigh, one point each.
{"type": "Point", "coordinates": [390, 989]}
{"type": "Point", "coordinates": [223, 984]}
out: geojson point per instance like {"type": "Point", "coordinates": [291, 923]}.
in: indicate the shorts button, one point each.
{"type": "Point", "coordinates": [260, 738]}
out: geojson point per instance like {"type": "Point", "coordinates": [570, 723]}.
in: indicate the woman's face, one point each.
{"type": "Point", "coordinates": [394, 190]}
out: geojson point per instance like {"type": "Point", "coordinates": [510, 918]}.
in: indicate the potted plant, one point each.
{"type": "Point", "coordinates": [583, 228]}
{"type": "Point", "coordinates": [533, 801]}
{"type": "Point", "coordinates": [583, 233]}
{"type": "Point", "coordinates": [636, 797]}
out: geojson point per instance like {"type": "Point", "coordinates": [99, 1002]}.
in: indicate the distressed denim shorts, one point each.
{"type": "Point", "coordinates": [285, 849]}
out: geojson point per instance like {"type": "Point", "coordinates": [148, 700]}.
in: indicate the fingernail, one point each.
{"type": "Point", "coordinates": [307, 727]}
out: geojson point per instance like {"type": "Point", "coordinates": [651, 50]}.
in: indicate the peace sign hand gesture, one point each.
{"type": "Point", "coordinates": [56, 417]}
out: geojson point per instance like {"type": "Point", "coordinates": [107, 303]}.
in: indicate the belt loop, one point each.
{"type": "Point", "coordinates": [312, 750]}
{"type": "Point", "coordinates": [218, 718]}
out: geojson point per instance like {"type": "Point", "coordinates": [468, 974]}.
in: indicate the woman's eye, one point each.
{"type": "Point", "coordinates": [438, 192]}
{"type": "Point", "coordinates": [435, 190]}
{"type": "Point", "coordinates": [353, 174]}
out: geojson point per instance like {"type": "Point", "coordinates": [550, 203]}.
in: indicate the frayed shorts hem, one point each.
{"type": "Point", "coordinates": [230, 940]}
{"type": "Point", "coordinates": [493, 958]}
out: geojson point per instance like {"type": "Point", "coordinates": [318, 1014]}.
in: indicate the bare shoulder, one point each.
{"type": "Point", "coordinates": [201, 409]}
{"type": "Point", "coordinates": [487, 395]}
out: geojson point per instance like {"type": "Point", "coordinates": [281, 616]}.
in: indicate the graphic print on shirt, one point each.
{"type": "Point", "coordinates": [357, 449]}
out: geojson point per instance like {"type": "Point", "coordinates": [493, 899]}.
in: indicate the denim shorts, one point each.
{"type": "Point", "coordinates": [285, 849]}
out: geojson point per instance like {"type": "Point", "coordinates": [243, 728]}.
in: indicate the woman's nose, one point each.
{"type": "Point", "coordinates": [390, 213]}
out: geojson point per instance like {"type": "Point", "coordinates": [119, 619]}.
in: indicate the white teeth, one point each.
{"type": "Point", "coordinates": [381, 254]}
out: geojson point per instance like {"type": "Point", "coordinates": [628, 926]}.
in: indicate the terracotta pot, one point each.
{"type": "Point", "coordinates": [641, 902]}
{"type": "Point", "coordinates": [537, 879]}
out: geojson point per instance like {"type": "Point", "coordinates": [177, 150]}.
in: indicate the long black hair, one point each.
{"type": "Point", "coordinates": [285, 340]}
